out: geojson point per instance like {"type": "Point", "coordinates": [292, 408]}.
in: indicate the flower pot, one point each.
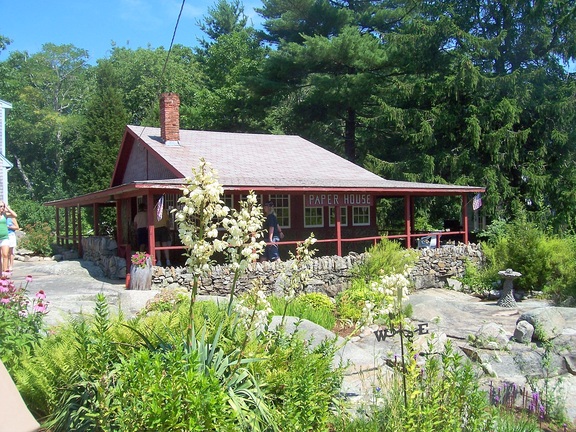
{"type": "Point", "coordinates": [141, 277]}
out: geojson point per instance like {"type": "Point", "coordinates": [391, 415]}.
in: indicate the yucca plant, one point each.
{"type": "Point", "coordinates": [244, 391]}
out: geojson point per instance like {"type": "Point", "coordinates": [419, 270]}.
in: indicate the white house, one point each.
{"type": "Point", "coordinates": [5, 164]}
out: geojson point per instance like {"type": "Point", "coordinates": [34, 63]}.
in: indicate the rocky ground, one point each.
{"type": "Point", "coordinates": [482, 330]}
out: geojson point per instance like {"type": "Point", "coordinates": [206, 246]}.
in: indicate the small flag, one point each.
{"type": "Point", "coordinates": [160, 208]}
{"type": "Point", "coordinates": [476, 202]}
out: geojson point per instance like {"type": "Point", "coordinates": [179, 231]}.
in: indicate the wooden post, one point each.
{"type": "Point", "coordinates": [465, 217]}
{"type": "Point", "coordinates": [80, 250]}
{"type": "Point", "coordinates": [338, 231]}
{"type": "Point", "coordinates": [408, 220]}
{"type": "Point", "coordinates": [58, 239]}
{"type": "Point", "coordinates": [151, 218]}
{"type": "Point", "coordinates": [96, 218]}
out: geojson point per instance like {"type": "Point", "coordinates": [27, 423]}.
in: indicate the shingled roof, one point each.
{"type": "Point", "coordinates": [271, 161]}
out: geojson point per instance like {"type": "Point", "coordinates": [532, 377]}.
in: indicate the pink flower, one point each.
{"type": "Point", "coordinates": [40, 308]}
{"type": "Point", "coordinates": [29, 278]}
{"type": "Point", "coordinates": [5, 300]}
{"type": "Point", "coordinates": [40, 295]}
{"type": "Point", "coordinates": [3, 288]}
{"type": "Point", "coordinates": [23, 313]}
{"type": "Point", "coordinates": [4, 282]}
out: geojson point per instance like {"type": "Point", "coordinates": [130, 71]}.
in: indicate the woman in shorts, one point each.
{"type": "Point", "coordinates": [5, 213]}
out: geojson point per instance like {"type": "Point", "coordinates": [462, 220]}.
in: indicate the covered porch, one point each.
{"type": "Point", "coordinates": [301, 211]}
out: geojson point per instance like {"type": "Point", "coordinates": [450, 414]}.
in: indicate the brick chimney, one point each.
{"type": "Point", "coordinates": [170, 118]}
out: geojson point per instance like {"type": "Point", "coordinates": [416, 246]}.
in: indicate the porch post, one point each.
{"type": "Point", "coordinates": [465, 217]}
{"type": "Point", "coordinates": [67, 226]}
{"type": "Point", "coordinates": [408, 220]}
{"type": "Point", "coordinates": [338, 231]}
{"type": "Point", "coordinates": [151, 234]}
{"type": "Point", "coordinates": [119, 230]}
{"type": "Point", "coordinates": [80, 251]}
{"type": "Point", "coordinates": [96, 218]}
{"type": "Point", "coordinates": [411, 213]}
{"type": "Point", "coordinates": [74, 226]}
{"type": "Point", "coordinates": [58, 239]}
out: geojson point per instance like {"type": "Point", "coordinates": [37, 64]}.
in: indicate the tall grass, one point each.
{"type": "Point", "coordinates": [321, 315]}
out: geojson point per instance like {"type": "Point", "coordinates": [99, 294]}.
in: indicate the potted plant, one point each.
{"type": "Point", "coordinates": [141, 271]}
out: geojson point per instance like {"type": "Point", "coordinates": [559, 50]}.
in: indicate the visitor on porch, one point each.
{"type": "Point", "coordinates": [273, 233]}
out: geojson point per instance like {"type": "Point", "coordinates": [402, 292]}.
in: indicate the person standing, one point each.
{"type": "Point", "coordinates": [274, 233]}
{"type": "Point", "coordinates": [141, 225]}
{"type": "Point", "coordinates": [12, 228]}
{"type": "Point", "coordinates": [162, 233]}
{"type": "Point", "coordinates": [5, 213]}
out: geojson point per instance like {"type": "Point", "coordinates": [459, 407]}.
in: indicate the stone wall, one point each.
{"type": "Point", "coordinates": [331, 274]}
{"type": "Point", "coordinates": [103, 251]}
{"type": "Point", "coordinates": [436, 266]}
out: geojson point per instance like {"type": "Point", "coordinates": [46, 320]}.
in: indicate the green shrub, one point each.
{"type": "Point", "coordinates": [317, 301]}
{"type": "Point", "coordinates": [386, 257]}
{"type": "Point", "coordinates": [39, 239]}
{"type": "Point", "coordinates": [370, 290]}
{"type": "Point", "coordinates": [165, 391]}
{"type": "Point", "coordinates": [350, 303]}
{"type": "Point", "coordinates": [561, 267]}
{"type": "Point", "coordinates": [32, 212]}
{"type": "Point", "coordinates": [477, 280]}
{"type": "Point", "coordinates": [303, 384]}
{"type": "Point", "coordinates": [547, 262]}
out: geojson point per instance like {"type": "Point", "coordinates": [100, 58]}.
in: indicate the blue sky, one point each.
{"type": "Point", "coordinates": [94, 24]}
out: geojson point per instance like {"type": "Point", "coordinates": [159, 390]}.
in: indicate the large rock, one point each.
{"type": "Point", "coordinates": [548, 323]}
{"type": "Point", "coordinates": [523, 332]}
{"type": "Point", "coordinates": [492, 336]}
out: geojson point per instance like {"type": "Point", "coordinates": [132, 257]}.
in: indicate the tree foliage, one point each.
{"type": "Point", "coordinates": [463, 92]}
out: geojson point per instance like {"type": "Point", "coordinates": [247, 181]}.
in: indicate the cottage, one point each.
{"type": "Point", "coordinates": [313, 189]}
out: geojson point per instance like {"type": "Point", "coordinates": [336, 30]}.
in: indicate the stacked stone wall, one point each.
{"type": "Point", "coordinates": [103, 251]}
{"type": "Point", "coordinates": [330, 274]}
{"type": "Point", "coordinates": [436, 266]}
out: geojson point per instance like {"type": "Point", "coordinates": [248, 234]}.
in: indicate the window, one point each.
{"type": "Point", "coordinates": [313, 217]}
{"type": "Point", "coordinates": [228, 201]}
{"type": "Point", "coordinates": [282, 209]}
{"type": "Point", "coordinates": [244, 197]}
{"type": "Point", "coordinates": [360, 215]}
{"type": "Point", "coordinates": [343, 216]}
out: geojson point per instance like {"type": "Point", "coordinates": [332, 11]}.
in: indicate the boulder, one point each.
{"type": "Point", "coordinates": [548, 323]}
{"type": "Point", "coordinates": [492, 336]}
{"type": "Point", "coordinates": [523, 332]}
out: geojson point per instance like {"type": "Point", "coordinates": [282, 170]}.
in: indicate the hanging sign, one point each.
{"type": "Point", "coordinates": [337, 199]}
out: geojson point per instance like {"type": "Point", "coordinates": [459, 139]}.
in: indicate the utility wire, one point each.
{"type": "Point", "coordinates": [171, 42]}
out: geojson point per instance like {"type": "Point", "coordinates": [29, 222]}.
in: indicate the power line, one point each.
{"type": "Point", "coordinates": [172, 41]}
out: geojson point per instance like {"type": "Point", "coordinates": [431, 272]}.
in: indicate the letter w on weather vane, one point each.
{"type": "Point", "coordinates": [383, 334]}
